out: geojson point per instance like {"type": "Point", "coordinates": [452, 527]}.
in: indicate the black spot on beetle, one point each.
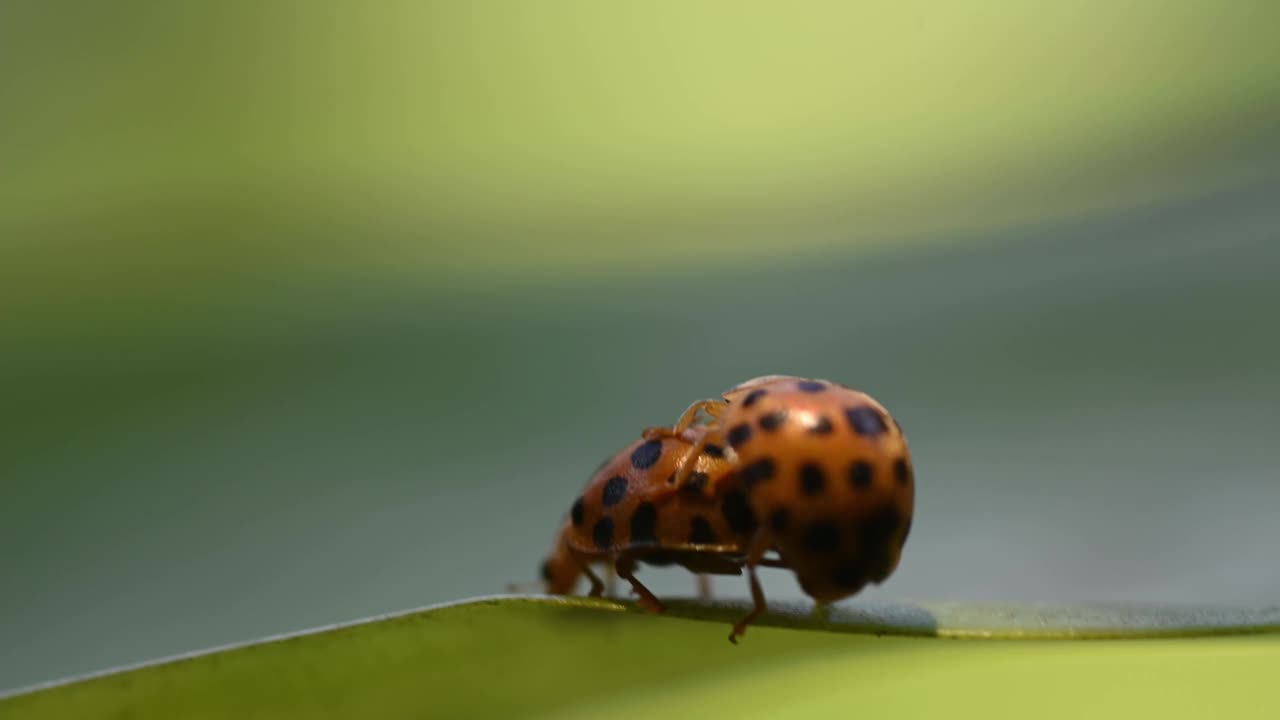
{"type": "Point", "coordinates": [753, 396]}
{"type": "Point", "coordinates": [739, 434]}
{"type": "Point", "coordinates": [821, 426]}
{"type": "Point", "coordinates": [902, 472]}
{"type": "Point", "coordinates": [878, 529]}
{"type": "Point", "coordinates": [849, 576]}
{"type": "Point", "coordinates": [821, 537]}
{"type": "Point", "coordinates": [615, 488]}
{"type": "Point", "coordinates": [644, 523]}
{"type": "Point", "coordinates": [861, 474]}
{"type": "Point", "coordinates": [701, 532]}
{"type": "Point", "coordinates": [545, 570]}
{"type": "Point", "coordinates": [737, 512]}
{"type": "Point", "coordinates": [779, 519]}
{"type": "Point", "coordinates": [578, 512]}
{"type": "Point", "coordinates": [696, 483]}
{"type": "Point", "coordinates": [757, 472]}
{"type": "Point", "coordinates": [866, 420]}
{"type": "Point", "coordinates": [712, 450]}
{"type": "Point", "coordinates": [812, 479]}
{"type": "Point", "coordinates": [810, 386]}
{"type": "Point", "coordinates": [878, 566]}
{"type": "Point", "coordinates": [643, 457]}
{"type": "Point", "coordinates": [602, 533]}
{"type": "Point", "coordinates": [878, 547]}
{"type": "Point", "coordinates": [772, 421]}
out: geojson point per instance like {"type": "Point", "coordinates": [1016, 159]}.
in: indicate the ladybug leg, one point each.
{"type": "Point", "coordinates": [610, 581]}
{"type": "Point", "coordinates": [686, 420]}
{"type": "Point", "coordinates": [597, 586]}
{"type": "Point", "coordinates": [759, 544]}
{"type": "Point", "coordinates": [626, 565]}
{"type": "Point", "coordinates": [822, 612]}
{"type": "Point", "coordinates": [689, 460]}
{"type": "Point", "coordinates": [684, 470]}
{"type": "Point", "coordinates": [704, 587]}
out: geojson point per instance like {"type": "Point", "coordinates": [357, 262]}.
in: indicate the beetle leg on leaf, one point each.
{"type": "Point", "coordinates": [626, 564]}
{"type": "Point", "coordinates": [759, 545]}
{"type": "Point", "coordinates": [704, 586]}
{"type": "Point", "coordinates": [597, 585]}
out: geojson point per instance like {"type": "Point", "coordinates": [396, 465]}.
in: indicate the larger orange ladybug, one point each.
{"type": "Point", "coordinates": [827, 474]}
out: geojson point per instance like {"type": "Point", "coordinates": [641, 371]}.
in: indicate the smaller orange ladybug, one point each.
{"type": "Point", "coordinates": [828, 477]}
{"type": "Point", "coordinates": [631, 513]}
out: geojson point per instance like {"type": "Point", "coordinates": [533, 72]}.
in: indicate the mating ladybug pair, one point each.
{"type": "Point", "coordinates": [781, 471]}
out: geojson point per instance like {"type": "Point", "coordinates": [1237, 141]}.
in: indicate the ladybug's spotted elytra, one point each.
{"type": "Point", "coordinates": [828, 476]}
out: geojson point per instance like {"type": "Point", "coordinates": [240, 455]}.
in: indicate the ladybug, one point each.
{"type": "Point", "coordinates": [632, 512]}
{"type": "Point", "coordinates": [827, 475]}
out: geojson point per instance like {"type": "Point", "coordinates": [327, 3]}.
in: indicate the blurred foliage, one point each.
{"type": "Point", "coordinates": [583, 659]}
{"type": "Point", "coordinates": [499, 138]}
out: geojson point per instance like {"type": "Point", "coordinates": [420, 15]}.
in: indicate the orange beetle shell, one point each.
{"type": "Point", "coordinates": [829, 478]}
{"type": "Point", "coordinates": [630, 506]}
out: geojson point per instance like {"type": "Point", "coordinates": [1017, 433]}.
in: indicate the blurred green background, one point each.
{"type": "Point", "coordinates": [311, 311]}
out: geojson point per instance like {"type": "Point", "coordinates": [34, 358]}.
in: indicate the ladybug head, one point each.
{"type": "Point", "coordinates": [559, 572]}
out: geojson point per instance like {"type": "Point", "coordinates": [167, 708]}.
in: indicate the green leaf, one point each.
{"type": "Point", "coordinates": [542, 657]}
